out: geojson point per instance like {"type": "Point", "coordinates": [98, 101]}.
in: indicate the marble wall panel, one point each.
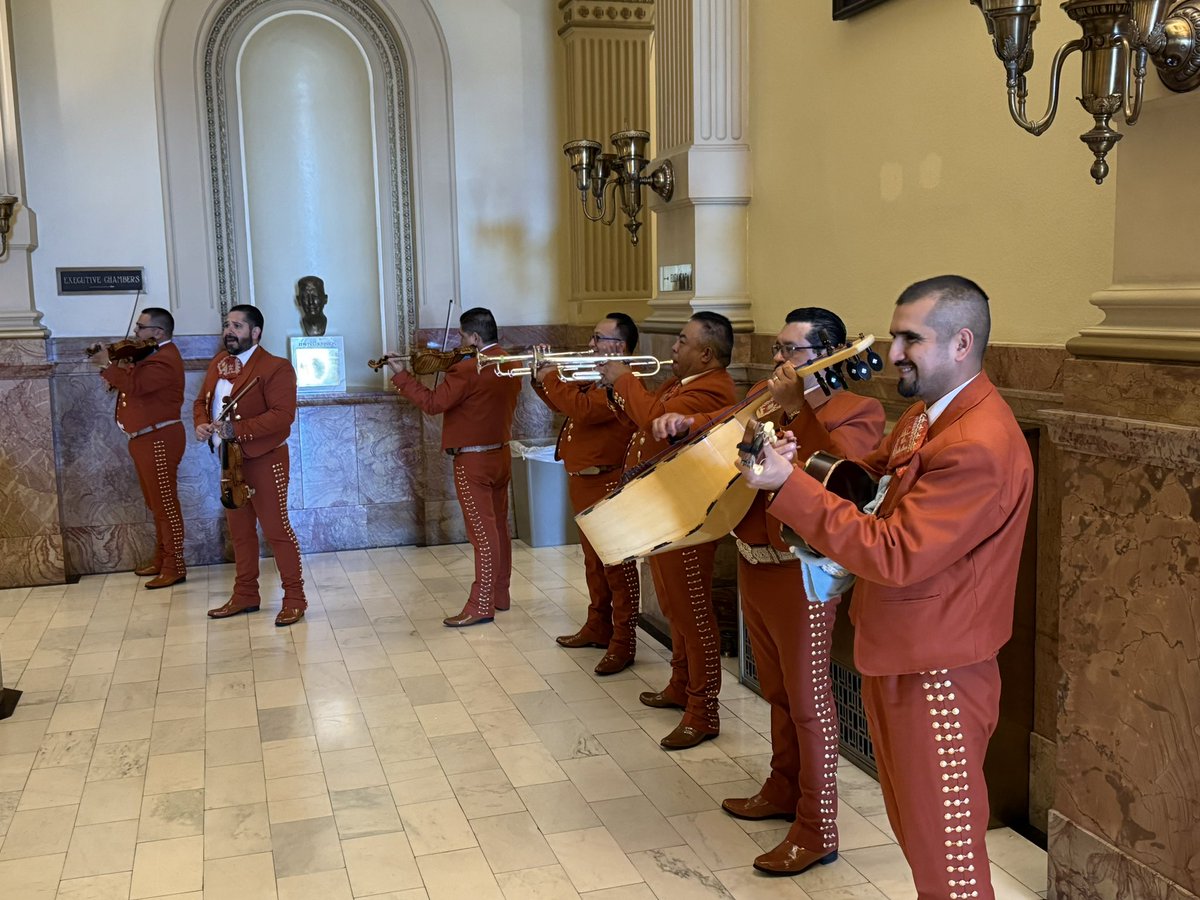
{"type": "Point", "coordinates": [328, 456]}
{"type": "Point", "coordinates": [29, 498]}
{"type": "Point", "coordinates": [1130, 656]}
{"type": "Point", "coordinates": [1158, 392]}
{"type": "Point", "coordinates": [330, 528]}
{"type": "Point", "coordinates": [389, 453]}
{"type": "Point", "coordinates": [34, 559]}
{"type": "Point", "coordinates": [1086, 867]}
{"type": "Point", "coordinates": [395, 524]}
{"type": "Point", "coordinates": [444, 522]}
{"type": "Point", "coordinates": [108, 548]}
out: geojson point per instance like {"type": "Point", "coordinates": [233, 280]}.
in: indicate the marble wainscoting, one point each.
{"type": "Point", "coordinates": [31, 539]}
{"type": "Point", "coordinates": [367, 468]}
{"type": "Point", "coordinates": [1126, 818]}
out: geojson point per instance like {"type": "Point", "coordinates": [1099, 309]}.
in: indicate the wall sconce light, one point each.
{"type": "Point", "coordinates": [7, 202]}
{"type": "Point", "coordinates": [597, 173]}
{"type": "Point", "coordinates": [1119, 36]}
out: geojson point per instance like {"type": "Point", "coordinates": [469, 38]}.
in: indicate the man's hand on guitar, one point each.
{"type": "Point", "coordinates": [787, 389]}
{"type": "Point", "coordinates": [774, 465]}
{"type": "Point", "coordinates": [671, 425]}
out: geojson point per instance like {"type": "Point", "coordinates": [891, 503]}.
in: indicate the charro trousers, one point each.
{"type": "Point", "coordinates": [683, 582]}
{"type": "Point", "coordinates": [790, 637]}
{"type": "Point", "coordinates": [268, 476]}
{"type": "Point", "coordinates": [931, 732]}
{"type": "Point", "coordinates": [481, 483]}
{"type": "Point", "coordinates": [156, 458]}
{"type": "Point", "coordinates": [612, 590]}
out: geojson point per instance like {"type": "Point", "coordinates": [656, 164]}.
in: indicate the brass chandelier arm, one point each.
{"type": "Point", "coordinates": [1017, 93]}
{"type": "Point", "coordinates": [1138, 58]}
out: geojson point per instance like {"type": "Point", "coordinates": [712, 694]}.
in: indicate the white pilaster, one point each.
{"type": "Point", "coordinates": [702, 88]}
{"type": "Point", "coordinates": [19, 317]}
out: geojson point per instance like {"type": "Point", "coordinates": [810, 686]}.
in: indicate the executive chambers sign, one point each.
{"type": "Point", "coordinates": [100, 281]}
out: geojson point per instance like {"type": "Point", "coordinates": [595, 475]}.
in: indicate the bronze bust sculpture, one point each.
{"type": "Point", "coordinates": [311, 298]}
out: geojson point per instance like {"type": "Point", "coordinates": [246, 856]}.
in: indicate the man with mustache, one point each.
{"type": "Point", "coordinates": [791, 629]}
{"type": "Point", "coordinates": [683, 578]}
{"type": "Point", "coordinates": [260, 422]}
{"type": "Point", "coordinates": [937, 563]}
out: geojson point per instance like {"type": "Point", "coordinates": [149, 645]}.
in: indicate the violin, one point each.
{"type": "Point", "coordinates": [126, 350]}
{"type": "Point", "coordinates": [428, 360]}
{"type": "Point", "coordinates": [235, 492]}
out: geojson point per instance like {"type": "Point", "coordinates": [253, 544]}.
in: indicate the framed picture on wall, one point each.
{"type": "Point", "coordinates": [844, 9]}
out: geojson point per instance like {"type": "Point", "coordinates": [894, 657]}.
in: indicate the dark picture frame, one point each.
{"type": "Point", "coordinates": [844, 9]}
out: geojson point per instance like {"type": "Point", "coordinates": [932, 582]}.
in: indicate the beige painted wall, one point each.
{"type": "Point", "coordinates": [884, 153]}
{"type": "Point", "coordinates": [86, 89]}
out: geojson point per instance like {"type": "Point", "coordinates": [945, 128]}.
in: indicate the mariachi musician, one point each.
{"type": "Point", "coordinates": [683, 578]}
{"type": "Point", "coordinates": [477, 407]}
{"type": "Point", "coordinates": [149, 397]}
{"type": "Point", "coordinates": [791, 637]}
{"type": "Point", "coordinates": [260, 390]}
{"type": "Point", "coordinates": [592, 446]}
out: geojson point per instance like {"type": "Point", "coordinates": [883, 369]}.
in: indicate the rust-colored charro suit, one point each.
{"type": "Point", "coordinates": [262, 420]}
{"type": "Point", "coordinates": [149, 398]}
{"type": "Point", "coordinates": [937, 570]}
{"type": "Point", "coordinates": [477, 412]}
{"type": "Point", "coordinates": [592, 446]}
{"type": "Point", "coordinates": [682, 578]}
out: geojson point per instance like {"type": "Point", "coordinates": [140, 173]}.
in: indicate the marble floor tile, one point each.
{"type": "Point", "coordinates": [512, 842]}
{"type": "Point", "coordinates": [59, 786]}
{"type": "Point", "coordinates": [66, 748]}
{"type": "Point", "coordinates": [39, 832]}
{"type": "Point", "coordinates": [436, 827]}
{"type": "Point", "coordinates": [239, 877]}
{"type": "Point", "coordinates": [101, 849]}
{"type": "Point", "coordinates": [381, 863]}
{"type": "Point", "coordinates": [234, 785]}
{"type": "Point", "coordinates": [161, 868]}
{"type": "Point", "coordinates": [458, 874]}
{"type": "Point", "coordinates": [76, 716]}
{"type": "Point", "coordinates": [96, 887]}
{"type": "Point", "coordinates": [110, 801]}
{"type": "Point", "coordinates": [716, 839]}
{"type": "Point", "coordinates": [177, 736]}
{"type": "Point", "coordinates": [176, 815]}
{"type": "Point", "coordinates": [461, 753]}
{"type": "Point", "coordinates": [635, 750]}
{"type": "Point", "coordinates": [677, 872]}
{"type": "Point", "coordinates": [294, 756]}
{"type": "Point", "coordinates": [175, 772]}
{"type": "Point", "coordinates": [363, 812]}
{"type": "Point", "coordinates": [529, 763]}
{"type": "Point", "coordinates": [441, 719]}
{"type": "Point", "coordinates": [347, 770]}
{"type": "Point", "coordinates": [236, 831]}
{"type": "Point", "coordinates": [1018, 857]}
{"type": "Point", "coordinates": [636, 824]}
{"type": "Point", "coordinates": [306, 846]}
{"type": "Point", "coordinates": [486, 793]}
{"type": "Point", "coordinates": [34, 878]}
{"type": "Point", "coordinates": [672, 791]}
{"type": "Point", "coordinates": [592, 859]}
{"type": "Point", "coordinates": [558, 806]}
{"type": "Point", "coordinates": [331, 885]}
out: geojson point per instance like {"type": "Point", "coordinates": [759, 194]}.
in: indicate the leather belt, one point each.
{"type": "Point", "coordinates": [155, 427]}
{"type": "Point", "coordinates": [763, 554]}
{"type": "Point", "coordinates": [595, 470]}
{"type": "Point", "coordinates": [476, 448]}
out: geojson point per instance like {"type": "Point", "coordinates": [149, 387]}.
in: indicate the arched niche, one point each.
{"type": "Point", "coordinates": [208, 248]}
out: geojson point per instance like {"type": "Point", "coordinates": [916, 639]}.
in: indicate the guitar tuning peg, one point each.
{"type": "Point", "coordinates": [822, 384]}
{"type": "Point", "coordinates": [834, 379]}
{"type": "Point", "coordinates": [852, 370]}
{"type": "Point", "coordinates": [875, 360]}
{"type": "Point", "coordinates": [864, 371]}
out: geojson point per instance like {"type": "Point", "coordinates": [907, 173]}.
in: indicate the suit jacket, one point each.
{"type": "Point", "coordinates": [477, 407]}
{"type": "Point", "coordinates": [937, 565]}
{"type": "Point", "coordinates": [706, 393]}
{"type": "Point", "coordinates": [262, 419]}
{"type": "Point", "coordinates": [594, 434]}
{"type": "Point", "coordinates": [149, 391]}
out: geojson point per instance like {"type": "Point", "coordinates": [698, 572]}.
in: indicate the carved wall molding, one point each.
{"type": "Point", "coordinates": [1143, 322]}
{"type": "Point", "coordinates": [635, 14]}
{"type": "Point", "coordinates": [1146, 443]}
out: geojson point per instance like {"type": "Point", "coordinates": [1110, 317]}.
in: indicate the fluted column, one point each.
{"type": "Point", "coordinates": [607, 46]}
{"type": "Point", "coordinates": [702, 74]}
{"type": "Point", "coordinates": [19, 317]}
{"type": "Point", "coordinates": [1152, 309]}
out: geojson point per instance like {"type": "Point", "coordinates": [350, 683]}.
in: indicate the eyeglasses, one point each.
{"type": "Point", "coordinates": [604, 337]}
{"type": "Point", "coordinates": [140, 327]}
{"type": "Point", "coordinates": [791, 349]}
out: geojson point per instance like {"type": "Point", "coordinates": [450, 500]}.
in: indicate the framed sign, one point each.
{"type": "Point", "coordinates": [320, 364]}
{"type": "Point", "coordinates": [101, 280]}
{"type": "Point", "coordinates": [844, 9]}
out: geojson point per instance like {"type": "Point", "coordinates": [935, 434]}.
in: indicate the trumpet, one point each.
{"type": "Point", "coordinates": [571, 365]}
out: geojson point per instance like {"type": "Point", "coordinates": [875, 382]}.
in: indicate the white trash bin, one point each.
{"type": "Point", "coordinates": [541, 504]}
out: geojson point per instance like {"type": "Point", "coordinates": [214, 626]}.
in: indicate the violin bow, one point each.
{"type": "Point", "coordinates": [445, 338]}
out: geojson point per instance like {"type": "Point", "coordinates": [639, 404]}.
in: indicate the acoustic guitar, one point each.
{"type": "Point", "coordinates": [693, 491]}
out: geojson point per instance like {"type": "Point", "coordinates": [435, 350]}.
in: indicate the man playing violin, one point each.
{"type": "Point", "coordinates": [683, 578]}
{"type": "Point", "coordinates": [260, 391]}
{"type": "Point", "coordinates": [149, 397]}
{"type": "Point", "coordinates": [592, 446]}
{"type": "Point", "coordinates": [477, 412]}
{"type": "Point", "coordinates": [791, 637]}
{"type": "Point", "coordinates": [937, 563]}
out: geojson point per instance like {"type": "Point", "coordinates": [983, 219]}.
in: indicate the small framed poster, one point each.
{"type": "Point", "coordinates": [320, 364]}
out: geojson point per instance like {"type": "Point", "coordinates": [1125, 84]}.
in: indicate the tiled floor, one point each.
{"type": "Point", "coordinates": [371, 752]}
